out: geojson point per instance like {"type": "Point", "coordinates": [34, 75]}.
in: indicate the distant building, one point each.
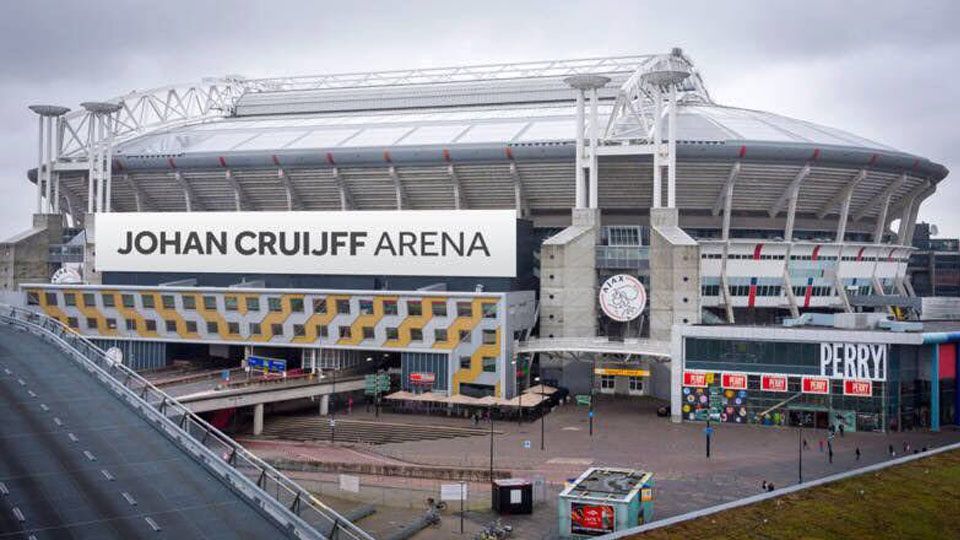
{"type": "Point", "coordinates": [934, 267]}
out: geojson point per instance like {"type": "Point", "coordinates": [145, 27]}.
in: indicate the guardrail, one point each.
{"type": "Point", "coordinates": [278, 497]}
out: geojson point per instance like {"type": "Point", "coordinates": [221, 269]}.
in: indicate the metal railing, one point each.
{"type": "Point", "coordinates": [279, 498]}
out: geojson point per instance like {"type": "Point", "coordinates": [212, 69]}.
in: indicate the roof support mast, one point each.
{"type": "Point", "coordinates": [49, 122]}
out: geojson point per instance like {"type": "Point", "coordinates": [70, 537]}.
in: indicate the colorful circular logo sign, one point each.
{"type": "Point", "coordinates": [623, 297]}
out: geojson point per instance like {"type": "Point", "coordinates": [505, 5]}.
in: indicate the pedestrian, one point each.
{"type": "Point", "coordinates": [924, 449]}
{"type": "Point", "coordinates": [890, 450]}
{"type": "Point", "coordinates": [476, 419]}
{"type": "Point", "coordinates": [830, 455]}
{"type": "Point", "coordinates": [350, 405]}
{"type": "Point", "coordinates": [906, 447]}
{"type": "Point", "coordinates": [805, 445]}
{"type": "Point", "coordinates": [821, 445]}
{"type": "Point", "coordinates": [840, 428]}
{"type": "Point", "coordinates": [770, 487]}
{"type": "Point", "coordinates": [858, 453]}
{"type": "Point", "coordinates": [763, 486]}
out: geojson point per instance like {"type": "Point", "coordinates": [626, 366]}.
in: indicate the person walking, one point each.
{"type": "Point", "coordinates": [763, 485]}
{"type": "Point", "coordinates": [770, 487]}
{"type": "Point", "coordinates": [821, 445]}
{"type": "Point", "coordinates": [830, 455]}
{"type": "Point", "coordinates": [805, 445]}
{"type": "Point", "coordinates": [858, 453]}
{"type": "Point", "coordinates": [840, 429]}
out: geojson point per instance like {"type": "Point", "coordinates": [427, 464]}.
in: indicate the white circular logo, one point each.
{"type": "Point", "coordinates": [623, 297]}
{"type": "Point", "coordinates": [114, 355]}
{"type": "Point", "coordinates": [66, 275]}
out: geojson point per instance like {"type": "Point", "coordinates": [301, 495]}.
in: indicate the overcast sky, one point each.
{"type": "Point", "coordinates": [884, 70]}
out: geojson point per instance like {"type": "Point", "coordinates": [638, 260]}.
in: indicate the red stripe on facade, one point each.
{"type": "Point", "coordinates": [890, 255]}
{"type": "Point", "coordinates": [816, 154]}
{"type": "Point", "coordinates": [816, 253]}
{"type": "Point", "coordinates": [752, 299]}
{"type": "Point", "coordinates": [806, 296]}
{"type": "Point", "coordinates": [330, 159]}
{"type": "Point", "coordinates": [446, 155]}
{"type": "Point", "coordinates": [223, 162]}
{"type": "Point", "coordinates": [873, 159]}
{"type": "Point", "coordinates": [756, 251]}
{"type": "Point", "coordinates": [386, 156]}
{"type": "Point", "coordinates": [743, 150]}
{"type": "Point", "coordinates": [118, 164]}
{"type": "Point", "coordinates": [860, 254]}
{"type": "Point", "coordinates": [276, 160]}
{"type": "Point", "coordinates": [172, 163]}
{"type": "Point", "coordinates": [508, 152]}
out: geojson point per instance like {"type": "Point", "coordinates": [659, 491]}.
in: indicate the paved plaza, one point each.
{"type": "Point", "coordinates": [627, 433]}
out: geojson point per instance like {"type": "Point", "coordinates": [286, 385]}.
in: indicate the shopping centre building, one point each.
{"type": "Point", "coordinates": [472, 225]}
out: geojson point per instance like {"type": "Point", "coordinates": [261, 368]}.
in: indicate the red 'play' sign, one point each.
{"type": "Point", "coordinates": [734, 381]}
{"type": "Point", "coordinates": [773, 383]}
{"type": "Point", "coordinates": [857, 388]}
{"type": "Point", "coordinates": [695, 378]}
{"type": "Point", "coordinates": [816, 385]}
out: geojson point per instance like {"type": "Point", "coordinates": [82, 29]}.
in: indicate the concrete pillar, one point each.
{"type": "Point", "coordinates": [258, 419]}
{"type": "Point", "coordinates": [325, 405]}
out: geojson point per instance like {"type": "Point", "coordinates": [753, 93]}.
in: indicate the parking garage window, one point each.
{"type": "Point", "coordinates": [345, 332]}
{"type": "Point", "coordinates": [51, 298]}
{"type": "Point", "coordinates": [465, 362]}
{"type": "Point", "coordinates": [390, 307]}
{"type": "Point", "coordinates": [72, 322]}
{"type": "Point", "coordinates": [465, 336]}
{"type": "Point", "coordinates": [439, 309]}
{"type": "Point", "coordinates": [343, 307]}
{"type": "Point", "coordinates": [168, 301]}
{"type": "Point", "coordinates": [489, 364]}
{"type": "Point", "coordinates": [322, 331]}
{"type": "Point", "coordinates": [274, 304]}
{"type": "Point", "coordinates": [210, 302]}
{"type": "Point", "coordinates": [319, 305]}
{"type": "Point", "coordinates": [440, 334]}
{"type": "Point", "coordinates": [296, 305]}
{"type": "Point", "coordinates": [151, 325]}
{"type": "Point", "coordinates": [276, 329]}
{"type": "Point", "coordinates": [192, 327]}
{"type": "Point", "coordinates": [254, 329]}
{"type": "Point", "coordinates": [393, 333]}
{"type": "Point", "coordinates": [489, 337]}
{"type": "Point", "coordinates": [366, 307]}
{"type": "Point", "coordinates": [189, 301]}
{"type": "Point", "coordinates": [233, 328]}
{"type": "Point", "coordinates": [69, 299]}
{"type": "Point", "coordinates": [111, 324]}
{"type": "Point", "coordinates": [213, 327]}
{"type": "Point", "coordinates": [464, 309]}
{"type": "Point", "coordinates": [368, 332]}
{"type": "Point", "coordinates": [414, 308]}
{"type": "Point", "coordinates": [416, 334]}
{"type": "Point", "coordinates": [33, 298]}
{"type": "Point", "coordinates": [92, 323]}
{"type": "Point", "coordinates": [89, 300]}
{"type": "Point", "coordinates": [489, 311]}
{"type": "Point", "coordinates": [145, 299]}
{"type": "Point", "coordinates": [253, 303]}
{"type": "Point", "coordinates": [109, 300]}
{"type": "Point", "coordinates": [230, 303]}
{"type": "Point", "coordinates": [127, 300]}
{"type": "Point", "coordinates": [131, 324]}
{"type": "Point", "coordinates": [170, 325]}
{"type": "Point", "coordinates": [299, 330]}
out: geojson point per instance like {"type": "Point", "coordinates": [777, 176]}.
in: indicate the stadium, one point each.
{"type": "Point", "coordinates": [572, 172]}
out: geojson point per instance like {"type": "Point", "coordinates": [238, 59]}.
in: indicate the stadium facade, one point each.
{"type": "Point", "coordinates": [605, 166]}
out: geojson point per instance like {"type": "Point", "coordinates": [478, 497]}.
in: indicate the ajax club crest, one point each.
{"type": "Point", "coordinates": [623, 297]}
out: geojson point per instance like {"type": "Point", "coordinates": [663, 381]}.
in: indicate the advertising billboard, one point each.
{"type": "Point", "coordinates": [481, 243]}
{"type": "Point", "coordinates": [591, 519]}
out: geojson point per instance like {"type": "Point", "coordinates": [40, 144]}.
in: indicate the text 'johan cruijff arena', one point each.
{"type": "Point", "coordinates": [602, 167]}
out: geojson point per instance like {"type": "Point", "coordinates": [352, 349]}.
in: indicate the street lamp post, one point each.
{"type": "Point", "coordinates": [593, 391]}
{"type": "Point", "coordinates": [333, 409]}
{"type": "Point", "coordinates": [800, 454]}
{"type": "Point", "coordinates": [490, 415]}
{"type": "Point", "coordinates": [543, 414]}
{"type": "Point", "coordinates": [519, 395]}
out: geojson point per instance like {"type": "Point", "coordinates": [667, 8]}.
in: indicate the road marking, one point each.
{"type": "Point", "coordinates": [32, 537]}
{"type": "Point", "coordinates": [3, 489]}
{"type": "Point", "coordinates": [129, 498]}
{"type": "Point", "coordinates": [106, 474]}
{"type": "Point", "coordinates": [32, 393]}
{"type": "Point", "coordinates": [90, 456]}
{"type": "Point", "coordinates": [57, 421]}
{"type": "Point", "coordinates": [73, 437]}
{"type": "Point", "coordinates": [44, 407]}
{"type": "Point", "coordinates": [569, 461]}
{"type": "Point", "coordinates": [153, 524]}
{"type": "Point", "coordinates": [18, 514]}
{"type": "Point", "coordinates": [7, 371]}
{"type": "Point", "coordinates": [21, 383]}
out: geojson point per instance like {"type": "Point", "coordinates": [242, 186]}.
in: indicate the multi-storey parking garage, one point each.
{"type": "Point", "coordinates": [609, 166]}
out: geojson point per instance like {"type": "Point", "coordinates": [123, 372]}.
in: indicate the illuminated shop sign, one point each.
{"type": "Point", "coordinates": [734, 381]}
{"type": "Point", "coordinates": [815, 385]}
{"type": "Point", "coordinates": [773, 383]}
{"type": "Point", "coordinates": [858, 388]}
{"type": "Point", "coordinates": [864, 361]}
{"type": "Point", "coordinates": [409, 243]}
{"type": "Point", "coordinates": [697, 379]}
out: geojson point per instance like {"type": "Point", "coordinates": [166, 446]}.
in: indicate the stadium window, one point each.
{"type": "Point", "coordinates": [191, 327]}
{"type": "Point", "coordinates": [416, 334]}
{"type": "Point", "coordinates": [253, 303]}
{"type": "Point", "coordinates": [345, 332]}
{"type": "Point", "coordinates": [254, 329]}
{"type": "Point", "coordinates": [72, 322]}
{"type": "Point", "coordinates": [92, 323]}
{"type": "Point", "coordinates": [299, 330]}
{"type": "Point", "coordinates": [109, 300]}
{"type": "Point", "coordinates": [276, 329]}
{"type": "Point", "coordinates": [322, 331]}
{"type": "Point", "coordinates": [464, 309]}
{"type": "Point", "coordinates": [145, 299]}
{"type": "Point", "coordinates": [151, 325]}
{"type": "Point", "coordinates": [439, 309]}
{"type": "Point", "coordinates": [636, 384]}
{"type": "Point", "coordinates": [189, 301]}
{"type": "Point", "coordinates": [274, 305]}
{"type": "Point", "coordinates": [131, 324]}
{"type": "Point", "coordinates": [465, 362]}
{"type": "Point", "coordinates": [414, 308]}
{"type": "Point", "coordinates": [607, 382]}
{"type": "Point", "coordinates": [127, 300]}
{"type": "Point", "coordinates": [393, 333]}
{"type": "Point", "coordinates": [366, 307]}
{"type": "Point", "coordinates": [367, 332]}
{"type": "Point", "coordinates": [230, 303]}
{"type": "Point", "coordinates": [89, 300]}
{"type": "Point", "coordinates": [168, 302]}
{"type": "Point", "coordinates": [296, 305]}
{"type": "Point", "coordinates": [390, 307]}
{"type": "Point", "coordinates": [69, 299]}
{"type": "Point", "coordinates": [233, 328]}
{"type": "Point", "coordinates": [170, 325]}
{"type": "Point", "coordinates": [343, 307]}
{"type": "Point", "coordinates": [489, 337]}
{"type": "Point", "coordinates": [213, 327]}
{"type": "Point", "coordinates": [465, 336]}
{"type": "Point", "coordinates": [489, 364]}
{"type": "Point", "coordinates": [319, 305]}
{"type": "Point", "coordinates": [489, 311]}
{"type": "Point", "coordinates": [209, 302]}
{"type": "Point", "coordinates": [51, 298]}
{"type": "Point", "coordinates": [111, 324]}
{"type": "Point", "coordinates": [440, 334]}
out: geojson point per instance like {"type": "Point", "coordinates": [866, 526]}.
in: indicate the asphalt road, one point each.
{"type": "Point", "coordinates": [76, 462]}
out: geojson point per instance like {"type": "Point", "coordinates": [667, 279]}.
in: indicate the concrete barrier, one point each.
{"type": "Point", "coordinates": [389, 469]}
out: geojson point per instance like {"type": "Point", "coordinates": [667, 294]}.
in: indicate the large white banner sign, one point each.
{"type": "Point", "coordinates": [479, 243]}
{"type": "Point", "coordinates": [866, 361]}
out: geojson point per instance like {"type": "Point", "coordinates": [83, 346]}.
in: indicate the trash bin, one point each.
{"type": "Point", "coordinates": [513, 496]}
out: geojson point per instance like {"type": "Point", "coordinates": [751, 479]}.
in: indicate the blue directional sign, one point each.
{"type": "Point", "coordinates": [273, 365]}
